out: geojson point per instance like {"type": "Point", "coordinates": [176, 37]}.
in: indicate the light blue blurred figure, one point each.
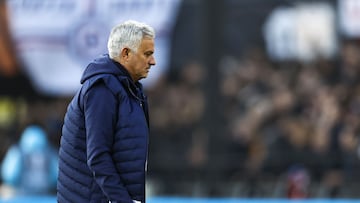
{"type": "Point", "coordinates": [31, 166]}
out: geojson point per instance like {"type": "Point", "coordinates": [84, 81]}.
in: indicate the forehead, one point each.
{"type": "Point", "coordinates": [147, 44]}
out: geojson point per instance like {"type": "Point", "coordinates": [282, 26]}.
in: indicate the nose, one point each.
{"type": "Point", "coordinates": [152, 61]}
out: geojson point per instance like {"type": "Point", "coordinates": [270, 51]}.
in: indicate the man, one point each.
{"type": "Point", "coordinates": [103, 149]}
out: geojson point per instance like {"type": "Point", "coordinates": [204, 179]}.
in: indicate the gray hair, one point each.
{"type": "Point", "coordinates": [128, 34]}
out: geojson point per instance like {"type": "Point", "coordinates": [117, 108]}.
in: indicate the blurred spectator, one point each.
{"type": "Point", "coordinates": [175, 127]}
{"type": "Point", "coordinates": [30, 167]}
{"type": "Point", "coordinates": [298, 183]}
{"type": "Point", "coordinates": [8, 62]}
{"type": "Point", "coordinates": [13, 81]}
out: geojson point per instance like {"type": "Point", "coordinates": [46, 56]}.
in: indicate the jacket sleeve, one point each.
{"type": "Point", "coordinates": [100, 108]}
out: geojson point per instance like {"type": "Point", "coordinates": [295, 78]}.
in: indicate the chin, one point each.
{"type": "Point", "coordinates": [143, 77]}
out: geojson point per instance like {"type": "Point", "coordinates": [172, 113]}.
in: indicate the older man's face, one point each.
{"type": "Point", "coordinates": [139, 62]}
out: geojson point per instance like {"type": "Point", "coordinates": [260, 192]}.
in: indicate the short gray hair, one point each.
{"type": "Point", "coordinates": [128, 34]}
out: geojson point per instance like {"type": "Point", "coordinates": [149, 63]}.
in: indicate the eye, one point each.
{"type": "Point", "coordinates": [148, 54]}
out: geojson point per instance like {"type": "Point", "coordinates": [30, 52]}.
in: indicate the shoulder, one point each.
{"type": "Point", "coordinates": [111, 82]}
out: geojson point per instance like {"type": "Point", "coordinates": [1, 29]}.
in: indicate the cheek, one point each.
{"type": "Point", "coordinates": [142, 63]}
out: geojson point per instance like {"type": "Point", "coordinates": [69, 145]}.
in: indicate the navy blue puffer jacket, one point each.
{"type": "Point", "coordinates": [104, 143]}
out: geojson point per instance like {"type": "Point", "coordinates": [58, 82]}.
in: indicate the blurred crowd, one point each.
{"type": "Point", "coordinates": [278, 119]}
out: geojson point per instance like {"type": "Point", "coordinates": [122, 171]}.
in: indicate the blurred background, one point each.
{"type": "Point", "coordinates": [249, 98]}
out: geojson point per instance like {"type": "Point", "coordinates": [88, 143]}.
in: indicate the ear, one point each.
{"type": "Point", "coordinates": [125, 53]}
